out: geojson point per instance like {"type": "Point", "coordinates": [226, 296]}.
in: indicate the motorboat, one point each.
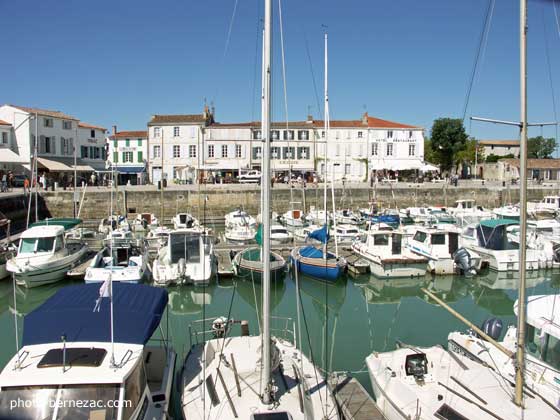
{"type": "Point", "coordinates": [542, 361]}
{"type": "Point", "coordinates": [6, 252]}
{"type": "Point", "coordinates": [347, 217]}
{"type": "Point", "coordinates": [240, 234]}
{"type": "Point", "coordinates": [124, 263]}
{"type": "Point", "coordinates": [72, 354]}
{"type": "Point", "coordinates": [388, 257]}
{"type": "Point", "coordinates": [157, 238]}
{"type": "Point", "coordinates": [279, 235]}
{"type": "Point", "coordinates": [294, 218]}
{"type": "Point", "coordinates": [144, 221]}
{"type": "Point", "coordinates": [186, 221]}
{"type": "Point", "coordinates": [318, 216]}
{"type": "Point", "coordinates": [187, 258]}
{"type": "Point", "coordinates": [442, 248]}
{"type": "Point", "coordinates": [113, 222]}
{"type": "Point", "coordinates": [44, 256]}
{"type": "Point", "coordinates": [493, 240]}
{"type": "Point", "coordinates": [467, 211]}
{"type": "Point", "coordinates": [345, 234]}
{"type": "Point", "coordinates": [303, 233]}
{"type": "Point", "coordinates": [548, 206]}
{"type": "Point", "coordinates": [507, 212]}
{"type": "Point", "coordinates": [240, 218]}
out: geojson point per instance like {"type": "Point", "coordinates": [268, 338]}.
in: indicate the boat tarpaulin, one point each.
{"type": "Point", "coordinates": [70, 312]}
{"type": "Point", "coordinates": [66, 222]}
{"type": "Point", "coordinates": [321, 235]}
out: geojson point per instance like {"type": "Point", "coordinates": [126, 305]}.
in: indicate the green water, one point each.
{"type": "Point", "coordinates": [361, 315]}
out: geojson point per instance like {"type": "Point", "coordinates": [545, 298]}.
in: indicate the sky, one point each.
{"type": "Point", "coordinates": [119, 62]}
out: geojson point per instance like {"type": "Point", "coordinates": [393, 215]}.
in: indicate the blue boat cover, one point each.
{"type": "Point", "coordinates": [312, 252]}
{"type": "Point", "coordinates": [390, 219]}
{"type": "Point", "coordinates": [322, 235]}
{"type": "Point", "coordinates": [137, 311]}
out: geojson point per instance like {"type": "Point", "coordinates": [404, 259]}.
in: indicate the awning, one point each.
{"type": "Point", "coordinates": [8, 156]}
{"type": "Point", "coordinates": [53, 165]}
{"type": "Point", "coordinates": [221, 166]}
{"type": "Point", "coordinates": [82, 168]}
{"type": "Point", "coordinates": [427, 167]}
{"type": "Point", "coordinates": [130, 169]}
{"type": "Point", "coordinates": [396, 164]}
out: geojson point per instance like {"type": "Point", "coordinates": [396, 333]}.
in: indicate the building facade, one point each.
{"type": "Point", "coordinates": [506, 170]}
{"type": "Point", "coordinates": [500, 147]}
{"type": "Point", "coordinates": [128, 154]}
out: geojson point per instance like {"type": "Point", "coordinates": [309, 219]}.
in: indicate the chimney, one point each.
{"type": "Point", "coordinates": [114, 130]}
{"type": "Point", "coordinates": [309, 119]}
{"type": "Point", "coordinates": [365, 118]}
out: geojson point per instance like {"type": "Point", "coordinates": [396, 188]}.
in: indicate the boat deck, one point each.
{"type": "Point", "coordinates": [353, 401]}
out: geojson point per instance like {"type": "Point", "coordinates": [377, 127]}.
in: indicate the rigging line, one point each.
{"type": "Point", "coordinates": [556, 16]}
{"type": "Point", "coordinates": [549, 67]}
{"type": "Point", "coordinates": [481, 43]}
{"type": "Point", "coordinates": [312, 73]}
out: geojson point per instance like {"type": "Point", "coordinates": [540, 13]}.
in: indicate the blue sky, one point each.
{"type": "Point", "coordinates": [119, 62]}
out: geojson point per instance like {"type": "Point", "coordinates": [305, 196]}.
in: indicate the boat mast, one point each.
{"type": "Point", "coordinates": [326, 122]}
{"type": "Point", "coordinates": [522, 307]}
{"type": "Point", "coordinates": [267, 394]}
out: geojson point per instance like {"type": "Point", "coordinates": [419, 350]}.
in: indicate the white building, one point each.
{"type": "Point", "coordinates": [128, 153]}
{"type": "Point", "coordinates": [174, 143]}
{"type": "Point", "coordinates": [57, 133]}
{"type": "Point", "coordinates": [92, 150]}
{"type": "Point", "coordinates": [10, 160]}
{"type": "Point", "coordinates": [500, 147]}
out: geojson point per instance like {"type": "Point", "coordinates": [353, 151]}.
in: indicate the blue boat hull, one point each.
{"type": "Point", "coordinates": [329, 269]}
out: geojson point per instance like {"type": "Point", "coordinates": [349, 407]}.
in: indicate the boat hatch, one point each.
{"type": "Point", "coordinates": [447, 413]}
{"type": "Point", "coordinates": [281, 415]}
{"type": "Point", "coordinates": [75, 356]}
{"type": "Point", "coordinates": [416, 365]}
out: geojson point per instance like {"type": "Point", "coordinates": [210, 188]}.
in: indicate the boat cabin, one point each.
{"type": "Point", "coordinates": [185, 220]}
{"type": "Point", "coordinates": [492, 234]}
{"type": "Point", "coordinates": [41, 240]}
{"type": "Point", "coordinates": [550, 202]}
{"type": "Point", "coordinates": [384, 242]}
{"type": "Point", "coordinates": [434, 243]}
{"type": "Point", "coordinates": [188, 246]}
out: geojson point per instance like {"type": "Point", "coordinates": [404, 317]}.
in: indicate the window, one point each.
{"type": "Point", "coordinates": [5, 138]}
{"type": "Point", "coordinates": [66, 146]}
{"type": "Point", "coordinates": [67, 125]}
{"type": "Point", "coordinates": [127, 142]}
{"type": "Point", "coordinates": [157, 151]}
{"type": "Point", "coordinates": [275, 153]}
{"type": "Point", "coordinates": [411, 149]}
{"type": "Point", "coordinates": [224, 150]}
{"type": "Point", "coordinates": [103, 153]}
{"type": "Point", "coordinates": [374, 149]}
{"type": "Point", "coordinates": [420, 236]}
{"type": "Point", "coordinates": [237, 150]}
{"type": "Point", "coordinates": [139, 142]}
{"type": "Point", "coordinates": [410, 134]}
{"type": "Point", "coordinates": [323, 134]}
{"type": "Point", "coordinates": [275, 134]}
{"type": "Point", "coordinates": [257, 152]}
{"type": "Point", "coordinates": [390, 134]}
{"type": "Point", "coordinates": [303, 135]}
{"type": "Point", "coordinates": [84, 151]}
{"type": "Point", "coordinates": [48, 122]}
{"type": "Point", "coordinates": [389, 149]}
{"type": "Point", "coordinates": [210, 150]}
{"type": "Point", "coordinates": [288, 134]}
{"type": "Point", "coordinates": [127, 157]}
{"type": "Point", "coordinates": [176, 132]}
{"type": "Point", "coordinates": [157, 131]}
{"type": "Point", "coordinates": [347, 149]}
{"type": "Point", "coordinates": [192, 150]}
{"type": "Point", "coordinates": [134, 389]}
{"type": "Point", "coordinates": [115, 143]}
{"type": "Point", "coordinates": [193, 132]}
{"type": "Point", "coordinates": [360, 134]}
{"type": "Point", "coordinates": [91, 152]}
{"type": "Point", "coordinates": [303, 152]}
{"type": "Point", "coordinates": [257, 135]}
{"type": "Point", "coordinates": [337, 150]}
{"type": "Point", "coordinates": [96, 153]}
{"type": "Point", "coordinates": [176, 151]}
{"type": "Point", "coordinates": [115, 157]}
{"type": "Point", "coordinates": [438, 239]}
{"type": "Point", "coordinates": [288, 153]}
{"type": "Point", "coordinates": [381, 239]}
{"type": "Point", "coordinates": [140, 156]}
{"type": "Point", "coordinates": [92, 134]}
{"type": "Point", "coordinates": [47, 145]}
{"type": "Point", "coordinates": [346, 169]}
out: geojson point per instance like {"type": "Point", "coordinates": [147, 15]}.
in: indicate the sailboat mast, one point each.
{"type": "Point", "coordinates": [522, 307]}
{"type": "Point", "coordinates": [326, 118]}
{"type": "Point", "coordinates": [265, 250]}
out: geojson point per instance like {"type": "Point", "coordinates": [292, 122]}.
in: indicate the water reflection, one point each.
{"type": "Point", "coordinates": [381, 291]}
{"type": "Point", "coordinates": [251, 293]}
{"type": "Point", "coordinates": [189, 300]}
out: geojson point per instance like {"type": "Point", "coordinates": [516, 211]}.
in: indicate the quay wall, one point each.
{"type": "Point", "coordinates": [214, 203]}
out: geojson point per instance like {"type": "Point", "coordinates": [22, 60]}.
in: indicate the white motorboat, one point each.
{"type": "Point", "coordinates": [144, 221]}
{"type": "Point", "coordinates": [345, 234]}
{"type": "Point", "coordinates": [542, 362]}
{"type": "Point", "coordinates": [491, 239]}
{"type": "Point", "coordinates": [240, 218]}
{"type": "Point", "coordinates": [466, 212]}
{"type": "Point", "coordinates": [507, 212]}
{"type": "Point", "coordinates": [125, 264]}
{"type": "Point", "coordinates": [157, 238]}
{"type": "Point", "coordinates": [187, 258]}
{"type": "Point", "coordinates": [74, 364]}
{"type": "Point", "coordinates": [433, 383]}
{"type": "Point", "coordinates": [347, 217]}
{"type": "Point", "coordinates": [294, 218]}
{"type": "Point", "coordinates": [387, 256]}
{"type": "Point", "coordinates": [186, 221]}
{"type": "Point", "coordinates": [113, 222]}
{"type": "Point", "coordinates": [44, 256]}
{"type": "Point", "coordinates": [442, 248]}
{"type": "Point", "coordinates": [420, 215]}
{"type": "Point", "coordinates": [550, 204]}
{"type": "Point", "coordinates": [319, 216]}
{"type": "Point", "coordinates": [303, 233]}
{"type": "Point", "coordinates": [240, 234]}
{"type": "Point", "coordinates": [279, 235]}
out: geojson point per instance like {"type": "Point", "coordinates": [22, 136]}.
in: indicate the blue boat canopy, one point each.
{"type": "Point", "coordinates": [130, 169]}
{"type": "Point", "coordinates": [70, 312]}
{"type": "Point", "coordinates": [494, 223]}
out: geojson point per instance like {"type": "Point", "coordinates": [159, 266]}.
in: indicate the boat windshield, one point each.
{"type": "Point", "coordinates": [78, 402]}
{"type": "Point", "coordinates": [543, 346]}
{"type": "Point", "coordinates": [29, 245]}
{"type": "Point", "coordinates": [185, 246]}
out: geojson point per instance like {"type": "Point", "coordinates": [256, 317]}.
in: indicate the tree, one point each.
{"type": "Point", "coordinates": [540, 148]}
{"type": "Point", "coordinates": [470, 155]}
{"type": "Point", "coordinates": [448, 138]}
{"type": "Point", "coordinates": [492, 158]}
{"type": "Point", "coordinates": [429, 154]}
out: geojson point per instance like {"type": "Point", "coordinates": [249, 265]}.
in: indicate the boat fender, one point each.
{"type": "Point", "coordinates": [493, 327]}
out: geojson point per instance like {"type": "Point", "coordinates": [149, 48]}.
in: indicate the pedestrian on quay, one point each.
{"type": "Point", "coordinates": [43, 181]}
{"type": "Point", "coordinates": [4, 182]}
{"type": "Point", "coordinates": [26, 185]}
{"type": "Point", "coordinates": [10, 179]}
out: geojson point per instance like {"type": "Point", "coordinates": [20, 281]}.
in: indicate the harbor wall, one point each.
{"type": "Point", "coordinates": [215, 202]}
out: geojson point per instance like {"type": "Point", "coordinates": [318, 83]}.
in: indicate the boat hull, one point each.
{"type": "Point", "coordinates": [329, 269]}
{"type": "Point", "coordinates": [395, 270]}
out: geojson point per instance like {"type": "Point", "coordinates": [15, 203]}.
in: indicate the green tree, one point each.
{"type": "Point", "coordinates": [429, 154]}
{"type": "Point", "coordinates": [540, 148]}
{"type": "Point", "coordinates": [470, 155]}
{"type": "Point", "coordinates": [448, 138]}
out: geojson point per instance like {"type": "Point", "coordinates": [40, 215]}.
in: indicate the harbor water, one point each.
{"type": "Point", "coordinates": [341, 323]}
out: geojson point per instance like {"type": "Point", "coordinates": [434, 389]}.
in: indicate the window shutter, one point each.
{"type": "Point", "coordinates": [41, 144]}
{"type": "Point", "coordinates": [115, 157]}
{"type": "Point", "coordinates": [53, 145]}
{"type": "Point", "coordinates": [140, 157]}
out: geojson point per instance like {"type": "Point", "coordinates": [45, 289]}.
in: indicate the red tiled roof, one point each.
{"type": "Point", "coordinates": [379, 123]}
{"type": "Point", "coordinates": [86, 125]}
{"type": "Point", "coordinates": [535, 163]}
{"type": "Point", "coordinates": [130, 134]}
{"type": "Point", "coordinates": [45, 112]}
{"type": "Point", "coordinates": [499, 142]}
{"type": "Point", "coordinates": [2, 122]}
{"type": "Point", "coordinates": [179, 118]}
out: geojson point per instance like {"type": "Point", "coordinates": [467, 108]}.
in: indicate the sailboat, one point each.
{"type": "Point", "coordinates": [427, 383]}
{"type": "Point", "coordinates": [312, 261]}
{"type": "Point", "coordinates": [253, 376]}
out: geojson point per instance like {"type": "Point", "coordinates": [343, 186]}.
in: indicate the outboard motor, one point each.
{"type": "Point", "coordinates": [219, 326]}
{"type": "Point", "coordinates": [416, 365]}
{"type": "Point", "coordinates": [492, 327]}
{"type": "Point", "coordinates": [463, 261]}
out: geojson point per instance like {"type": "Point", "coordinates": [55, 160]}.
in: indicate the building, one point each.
{"type": "Point", "coordinates": [56, 133]}
{"type": "Point", "coordinates": [500, 147]}
{"type": "Point", "coordinates": [10, 160]}
{"type": "Point", "coordinates": [508, 170]}
{"type": "Point", "coordinates": [128, 154]}
{"type": "Point", "coordinates": [174, 146]}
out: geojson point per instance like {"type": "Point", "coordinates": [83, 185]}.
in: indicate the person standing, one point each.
{"type": "Point", "coordinates": [26, 186]}
{"type": "Point", "coordinates": [4, 182]}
